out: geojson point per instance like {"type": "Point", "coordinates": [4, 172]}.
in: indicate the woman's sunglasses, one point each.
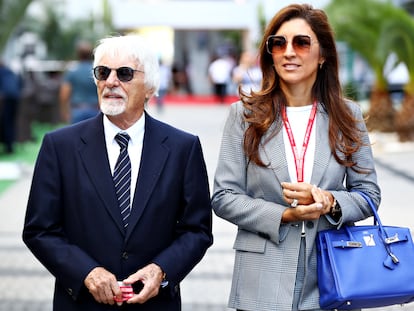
{"type": "Point", "coordinates": [277, 44]}
{"type": "Point", "coordinates": [124, 74]}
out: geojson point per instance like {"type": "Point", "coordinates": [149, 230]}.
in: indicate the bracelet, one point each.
{"type": "Point", "coordinates": [335, 208]}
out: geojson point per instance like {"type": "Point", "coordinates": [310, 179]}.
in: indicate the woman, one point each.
{"type": "Point", "coordinates": [292, 154]}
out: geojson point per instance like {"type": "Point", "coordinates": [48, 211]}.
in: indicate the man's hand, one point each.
{"type": "Point", "coordinates": [103, 285]}
{"type": "Point", "coordinates": [151, 276]}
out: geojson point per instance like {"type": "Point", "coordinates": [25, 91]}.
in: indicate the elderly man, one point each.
{"type": "Point", "coordinates": [121, 198]}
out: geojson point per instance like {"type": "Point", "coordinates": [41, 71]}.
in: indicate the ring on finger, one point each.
{"type": "Point", "coordinates": [294, 203]}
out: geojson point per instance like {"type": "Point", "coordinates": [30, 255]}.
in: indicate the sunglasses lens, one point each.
{"type": "Point", "coordinates": [301, 43]}
{"type": "Point", "coordinates": [279, 43]}
{"type": "Point", "coordinates": [125, 74]}
{"type": "Point", "coordinates": [101, 72]}
{"type": "Point", "coordinates": [276, 44]}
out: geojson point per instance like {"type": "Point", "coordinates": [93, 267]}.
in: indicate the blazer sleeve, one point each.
{"type": "Point", "coordinates": [232, 199]}
{"type": "Point", "coordinates": [193, 229]}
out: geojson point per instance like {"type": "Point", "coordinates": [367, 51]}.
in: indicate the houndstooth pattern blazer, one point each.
{"type": "Point", "coordinates": [250, 197]}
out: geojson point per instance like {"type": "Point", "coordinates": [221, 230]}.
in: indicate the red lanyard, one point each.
{"type": "Point", "coordinates": [299, 158]}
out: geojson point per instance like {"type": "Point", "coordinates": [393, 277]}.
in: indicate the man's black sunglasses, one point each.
{"type": "Point", "coordinates": [124, 74]}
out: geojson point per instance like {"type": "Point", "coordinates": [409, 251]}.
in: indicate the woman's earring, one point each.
{"type": "Point", "coordinates": [320, 65]}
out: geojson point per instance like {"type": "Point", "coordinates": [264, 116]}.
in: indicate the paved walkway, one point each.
{"type": "Point", "coordinates": [26, 285]}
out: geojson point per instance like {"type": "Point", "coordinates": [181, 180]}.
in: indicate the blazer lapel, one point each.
{"type": "Point", "coordinates": [322, 149]}
{"type": "Point", "coordinates": [95, 159]}
{"type": "Point", "coordinates": [274, 153]}
{"type": "Point", "coordinates": [153, 159]}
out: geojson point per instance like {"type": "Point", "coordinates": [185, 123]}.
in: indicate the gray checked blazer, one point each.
{"type": "Point", "coordinates": [250, 197]}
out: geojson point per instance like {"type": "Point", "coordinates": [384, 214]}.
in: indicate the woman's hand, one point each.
{"type": "Point", "coordinates": [307, 201]}
{"type": "Point", "coordinates": [302, 192]}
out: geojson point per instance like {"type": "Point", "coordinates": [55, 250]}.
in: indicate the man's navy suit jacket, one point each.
{"type": "Point", "coordinates": [73, 223]}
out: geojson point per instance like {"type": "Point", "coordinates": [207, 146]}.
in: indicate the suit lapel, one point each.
{"type": "Point", "coordinates": [274, 153]}
{"type": "Point", "coordinates": [153, 159]}
{"type": "Point", "coordinates": [321, 148]}
{"type": "Point", "coordinates": [95, 159]}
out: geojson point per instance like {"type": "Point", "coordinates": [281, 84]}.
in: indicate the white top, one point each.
{"type": "Point", "coordinates": [136, 133]}
{"type": "Point", "coordinates": [298, 119]}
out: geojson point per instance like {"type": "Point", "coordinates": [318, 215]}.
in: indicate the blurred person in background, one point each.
{"type": "Point", "coordinates": [247, 74]}
{"type": "Point", "coordinates": [11, 85]}
{"type": "Point", "coordinates": [77, 96]}
{"type": "Point", "coordinates": [90, 232]}
{"type": "Point", "coordinates": [165, 83]}
{"type": "Point", "coordinates": [219, 73]}
{"type": "Point", "coordinates": [291, 157]}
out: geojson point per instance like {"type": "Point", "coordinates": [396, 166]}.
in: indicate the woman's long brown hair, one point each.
{"type": "Point", "coordinates": [264, 106]}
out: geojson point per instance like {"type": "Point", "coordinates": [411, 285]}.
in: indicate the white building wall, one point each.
{"type": "Point", "coordinates": [193, 22]}
{"type": "Point", "coordinates": [198, 15]}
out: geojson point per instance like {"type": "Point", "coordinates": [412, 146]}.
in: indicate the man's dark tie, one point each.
{"type": "Point", "coordinates": [122, 177]}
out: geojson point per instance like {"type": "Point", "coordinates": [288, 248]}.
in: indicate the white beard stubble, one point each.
{"type": "Point", "coordinates": [112, 108]}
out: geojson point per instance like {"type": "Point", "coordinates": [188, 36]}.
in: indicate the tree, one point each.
{"type": "Point", "coordinates": [358, 23]}
{"type": "Point", "coordinates": [60, 34]}
{"type": "Point", "coordinates": [398, 37]}
{"type": "Point", "coordinates": [11, 13]}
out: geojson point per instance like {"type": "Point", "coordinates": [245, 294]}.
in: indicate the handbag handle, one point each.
{"type": "Point", "coordinates": [371, 204]}
{"type": "Point", "coordinates": [387, 241]}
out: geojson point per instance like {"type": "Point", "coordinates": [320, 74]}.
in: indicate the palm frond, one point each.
{"type": "Point", "coordinates": [11, 12]}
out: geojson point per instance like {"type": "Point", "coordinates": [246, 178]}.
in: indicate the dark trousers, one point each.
{"type": "Point", "coordinates": [220, 90]}
{"type": "Point", "coordinates": [8, 117]}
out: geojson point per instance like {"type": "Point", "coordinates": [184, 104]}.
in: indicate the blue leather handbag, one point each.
{"type": "Point", "coordinates": [365, 266]}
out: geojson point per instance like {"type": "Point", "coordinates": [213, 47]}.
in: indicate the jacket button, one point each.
{"type": "Point", "coordinates": [309, 224]}
{"type": "Point", "coordinates": [125, 255]}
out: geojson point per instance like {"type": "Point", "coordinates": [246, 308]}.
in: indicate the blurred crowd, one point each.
{"type": "Point", "coordinates": [66, 93]}
{"type": "Point", "coordinates": [25, 98]}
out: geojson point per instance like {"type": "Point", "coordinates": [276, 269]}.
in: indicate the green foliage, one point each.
{"type": "Point", "coordinates": [358, 23]}
{"type": "Point", "coordinates": [59, 33]}
{"type": "Point", "coordinates": [350, 91]}
{"type": "Point", "coordinates": [262, 20]}
{"type": "Point", "coordinates": [398, 38]}
{"type": "Point", "coordinates": [11, 12]}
